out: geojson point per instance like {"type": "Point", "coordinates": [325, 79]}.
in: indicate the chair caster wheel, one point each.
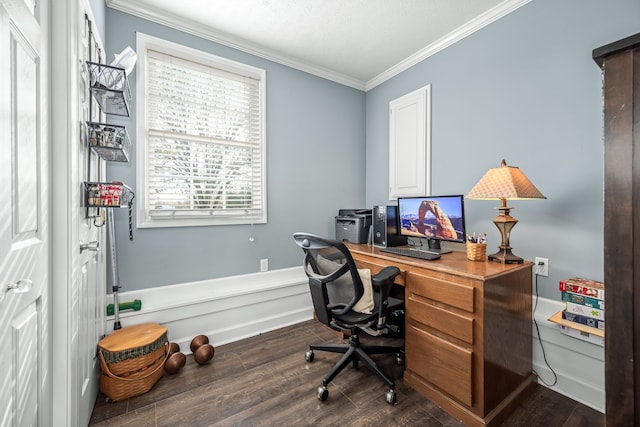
{"type": "Point", "coordinates": [390, 397]}
{"type": "Point", "coordinates": [322, 393]}
{"type": "Point", "coordinates": [399, 359]}
{"type": "Point", "coordinates": [308, 356]}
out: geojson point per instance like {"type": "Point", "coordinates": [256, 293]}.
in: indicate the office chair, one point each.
{"type": "Point", "coordinates": [336, 290]}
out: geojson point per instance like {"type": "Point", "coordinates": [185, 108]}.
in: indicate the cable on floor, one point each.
{"type": "Point", "coordinates": [544, 355]}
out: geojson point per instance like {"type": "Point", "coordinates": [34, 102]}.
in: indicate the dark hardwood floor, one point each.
{"type": "Point", "coordinates": [265, 381]}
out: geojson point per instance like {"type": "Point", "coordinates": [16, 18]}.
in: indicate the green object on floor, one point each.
{"type": "Point", "coordinates": [135, 305]}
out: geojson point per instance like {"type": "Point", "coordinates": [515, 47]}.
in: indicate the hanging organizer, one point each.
{"type": "Point", "coordinates": [109, 86]}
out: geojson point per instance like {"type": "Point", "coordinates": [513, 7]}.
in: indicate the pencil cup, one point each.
{"type": "Point", "coordinates": [476, 251]}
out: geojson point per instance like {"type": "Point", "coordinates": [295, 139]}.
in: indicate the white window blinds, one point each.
{"type": "Point", "coordinates": [204, 155]}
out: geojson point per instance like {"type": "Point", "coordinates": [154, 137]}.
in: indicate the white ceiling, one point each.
{"type": "Point", "coordinates": [360, 43]}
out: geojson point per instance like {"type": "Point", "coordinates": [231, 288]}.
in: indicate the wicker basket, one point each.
{"type": "Point", "coordinates": [476, 251]}
{"type": "Point", "coordinates": [132, 360]}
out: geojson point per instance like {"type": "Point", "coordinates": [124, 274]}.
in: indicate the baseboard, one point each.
{"type": "Point", "coordinates": [226, 309]}
{"type": "Point", "coordinates": [232, 308]}
{"type": "Point", "coordinates": [579, 365]}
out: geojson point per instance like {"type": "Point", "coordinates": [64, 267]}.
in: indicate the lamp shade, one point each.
{"type": "Point", "coordinates": [504, 182]}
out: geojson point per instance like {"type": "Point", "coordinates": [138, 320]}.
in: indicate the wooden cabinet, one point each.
{"type": "Point", "coordinates": [620, 63]}
{"type": "Point", "coordinates": [468, 331]}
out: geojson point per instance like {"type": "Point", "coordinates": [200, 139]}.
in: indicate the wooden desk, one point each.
{"type": "Point", "coordinates": [468, 331]}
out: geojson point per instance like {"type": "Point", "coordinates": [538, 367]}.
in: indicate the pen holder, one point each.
{"type": "Point", "coordinates": [476, 251]}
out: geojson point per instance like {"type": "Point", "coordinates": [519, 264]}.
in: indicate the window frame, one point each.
{"type": "Point", "coordinates": [144, 219]}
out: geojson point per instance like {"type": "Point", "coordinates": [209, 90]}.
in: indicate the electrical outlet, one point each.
{"type": "Point", "coordinates": [264, 264]}
{"type": "Point", "coordinates": [542, 266]}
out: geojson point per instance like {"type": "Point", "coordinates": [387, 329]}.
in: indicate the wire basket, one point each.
{"type": "Point", "coordinates": [107, 194]}
{"type": "Point", "coordinates": [110, 142]}
{"type": "Point", "coordinates": [110, 88]}
{"type": "Point", "coordinates": [476, 251]}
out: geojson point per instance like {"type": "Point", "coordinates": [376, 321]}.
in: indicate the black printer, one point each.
{"type": "Point", "coordinates": [352, 225]}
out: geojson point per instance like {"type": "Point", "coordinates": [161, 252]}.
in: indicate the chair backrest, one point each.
{"type": "Point", "coordinates": [333, 276]}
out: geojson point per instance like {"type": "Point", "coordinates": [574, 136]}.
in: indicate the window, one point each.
{"type": "Point", "coordinates": [201, 139]}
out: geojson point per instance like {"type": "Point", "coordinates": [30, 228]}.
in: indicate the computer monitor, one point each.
{"type": "Point", "coordinates": [434, 218]}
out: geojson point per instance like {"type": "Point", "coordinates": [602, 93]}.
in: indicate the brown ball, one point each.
{"type": "Point", "coordinates": [198, 341]}
{"type": "Point", "coordinates": [204, 353]}
{"type": "Point", "coordinates": [173, 348]}
{"type": "Point", "coordinates": [174, 363]}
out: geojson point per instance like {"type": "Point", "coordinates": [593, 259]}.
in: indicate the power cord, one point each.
{"type": "Point", "coordinates": [544, 355]}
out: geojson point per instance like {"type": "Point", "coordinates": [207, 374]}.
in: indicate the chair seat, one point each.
{"type": "Point", "coordinates": [354, 318]}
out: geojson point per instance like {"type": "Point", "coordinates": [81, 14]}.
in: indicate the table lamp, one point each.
{"type": "Point", "coordinates": [502, 183]}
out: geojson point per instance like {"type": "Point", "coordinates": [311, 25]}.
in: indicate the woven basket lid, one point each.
{"type": "Point", "coordinates": [132, 337]}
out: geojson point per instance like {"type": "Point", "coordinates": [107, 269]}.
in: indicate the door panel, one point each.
{"type": "Point", "coordinates": [25, 138]}
{"type": "Point", "coordinates": [24, 340]}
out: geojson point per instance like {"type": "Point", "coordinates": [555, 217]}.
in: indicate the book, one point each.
{"type": "Point", "coordinates": [587, 287]}
{"type": "Point", "coordinates": [584, 320]}
{"type": "Point", "coordinates": [583, 299]}
{"type": "Point", "coordinates": [584, 310]}
{"type": "Point", "coordinates": [581, 335]}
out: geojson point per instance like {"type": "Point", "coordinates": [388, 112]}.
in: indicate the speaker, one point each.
{"type": "Point", "coordinates": [385, 227]}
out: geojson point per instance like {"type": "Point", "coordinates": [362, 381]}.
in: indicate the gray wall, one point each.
{"type": "Point", "coordinates": [524, 89]}
{"type": "Point", "coordinates": [315, 165]}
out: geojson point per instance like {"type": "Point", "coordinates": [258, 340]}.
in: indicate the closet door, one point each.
{"type": "Point", "coordinates": [78, 257]}
{"type": "Point", "coordinates": [25, 304]}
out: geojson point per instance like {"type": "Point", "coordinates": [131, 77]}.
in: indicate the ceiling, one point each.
{"type": "Point", "coordinates": [360, 43]}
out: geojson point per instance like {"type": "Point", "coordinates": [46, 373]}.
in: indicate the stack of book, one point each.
{"type": "Point", "coordinates": [584, 299]}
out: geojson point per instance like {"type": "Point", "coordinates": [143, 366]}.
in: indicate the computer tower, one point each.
{"type": "Point", "coordinates": [385, 227]}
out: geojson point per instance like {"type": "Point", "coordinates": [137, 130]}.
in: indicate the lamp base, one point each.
{"type": "Point", "coordinates": [505, 223]}
{"type": "Point", "coordinates": [505, 256]}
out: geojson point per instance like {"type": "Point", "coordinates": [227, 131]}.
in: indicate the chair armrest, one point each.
{"type": "Point", "coordinates": [385, 277]}
{"type": "Point", "coordinates": [383, 281]}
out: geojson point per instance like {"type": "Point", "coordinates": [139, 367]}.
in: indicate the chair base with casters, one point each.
{"type": "Point", "coordinates": [355, 353]}
{"type": "Point", "coordinates": [343, 303]}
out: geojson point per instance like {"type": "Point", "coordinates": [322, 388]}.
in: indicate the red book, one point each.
{"type": "Point", "coordinates": [578, 285]}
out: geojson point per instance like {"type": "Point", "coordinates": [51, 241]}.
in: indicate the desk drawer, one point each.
{"type": "Point", "coordinates": [441, 363]}
{"type": "Point", "coordinates": [453, 324]}
{"type": "Point", "coordinates": [447, 292]}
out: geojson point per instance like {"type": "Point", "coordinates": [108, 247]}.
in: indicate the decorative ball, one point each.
{"type": "Point", "coordinates": [198, 341]}
{"type": "Point", "coordinates": [204, 353]}
{"type": "Point", "coordinates": [175, 362]}
{"type": "Point", "coordinates": [173, 348]}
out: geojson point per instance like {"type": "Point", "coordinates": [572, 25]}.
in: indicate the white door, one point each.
{"type": "Point", "coordinates": [410, 144]}
{"type": "Point", "coordinates": [25, 281]}
{"type": "Point", "coordinates": [79, 274]}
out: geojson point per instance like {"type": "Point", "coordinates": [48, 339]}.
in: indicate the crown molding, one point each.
{"type": "Point", "coordinates": [191, 27]}
{"type": "Point", "coordinates": [199, 30]}
{"type": "Point", "coordinates": [460, 33]}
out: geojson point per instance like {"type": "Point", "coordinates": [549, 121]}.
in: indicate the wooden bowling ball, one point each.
{"type": "Point", "coordinates": [197, 341]}
{"type": "Point", "coordinates": [175, 362]}
{"type": "Point", "coordinates": [173, 348]}
{"type": "Point", "coordinates": [203, 354]}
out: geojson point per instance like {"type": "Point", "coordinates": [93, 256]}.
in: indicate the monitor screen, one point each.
{"type": "Point", "coordinates": [432, 217]}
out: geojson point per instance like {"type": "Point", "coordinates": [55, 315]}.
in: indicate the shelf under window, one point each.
{"type": "Point", "coordinates": [110, 87]}
{"type": "Point", "coordinates": [110, 142]}
{"type": "Point", "coordinates": [107, 194]}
